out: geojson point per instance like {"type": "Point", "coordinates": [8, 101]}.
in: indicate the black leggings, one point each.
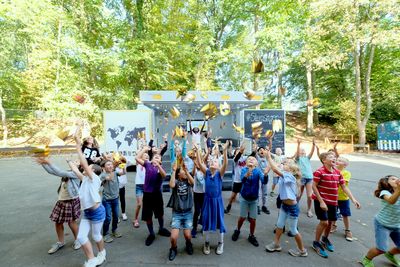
{"type": "Point", "coordinates": [122, 199]}
{"type": "Point", "coordinates": [198, 205]}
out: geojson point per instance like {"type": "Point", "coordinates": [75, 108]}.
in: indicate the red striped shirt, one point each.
{"type": "Point", "coordinates": [328, 184]}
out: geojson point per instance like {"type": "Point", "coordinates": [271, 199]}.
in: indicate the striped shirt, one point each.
{"type": "Point", "coordinates": [389, 215]}
{"type": "Point", "coordinates": [328, 183]}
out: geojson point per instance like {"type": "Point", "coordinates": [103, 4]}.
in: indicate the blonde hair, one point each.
{"type": "Point", "coordinates": [293, 168]}
{"type": "Point", "coordinates": [343, 159]}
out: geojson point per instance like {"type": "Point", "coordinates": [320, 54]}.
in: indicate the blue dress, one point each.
{"type": "Point", "coordinates": [213, 206]}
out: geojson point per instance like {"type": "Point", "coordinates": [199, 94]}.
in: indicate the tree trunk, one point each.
{"type": "Point", "coordinates": [310, 97]}
{"type": "Point", "coordinates": [256, 55]}
{"type": "Point", "coordinates": [3, 122]}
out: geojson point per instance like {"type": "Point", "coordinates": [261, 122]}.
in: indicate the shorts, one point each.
{"type": "Point", "coordinates": [344, 207]}
{"type": "Point", "coordinates": [289, 214]}
{"type": "Point", "coordinates": [139, 190]}
{"type": "Point", "coordinates": [182, 220]}
{"type": "Point", "coordinates": [278, 202]}
{"type": "Point", "coordinates": [305, 181]}
{"type": "Point", "coordinates": [236, 187]}
{"type": "Point", "coordinates": [152, 204]}
{"type": "Point", "coordinates": [322, 215]}
{"type": "Point", "coordinates": [382, 234]}
{"type": "Point", "coordinates": [275, 180]}
{"type": "Point", "coordinates": [248, 207]}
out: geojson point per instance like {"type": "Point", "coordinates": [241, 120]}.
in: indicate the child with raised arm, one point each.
{"type": "Point", "coordinates": [343, 199]}
{"type": "Point", "coordinates": [139, 181]}
{"type": "Point", "coordinates": [263, 165]}
{"type": "Point", "coordinates": [251, 176]}
{"type": "Point", "coordinates": [239, 162]}
{"type": "Point", "coordinates": [196, 133]}
{"type": "Point", "coordinates": [304, 163]}
{"type": "Point", "coordinates": [152, 196]}
{"type": "Point", "coordinates": [289, 211]}
{"type": "Point", "coordinates": [278, 158]}
{"type": "Point", "coordinates": [67, 208]}
{"type": "Point", "coordinates": [181, 202]}
{"type": "Point", "coordinates": [387, 222]}
{"type": "Point", "coordinates": [198, 191]}
{"type": "Point", "coordinates": [93, 210]}
{"type": "Point", "coordinates": [327, 180]}
{"type": "Point", "coordinates": [213, 207]}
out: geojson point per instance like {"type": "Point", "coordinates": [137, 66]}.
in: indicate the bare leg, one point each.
{"type": "Point", "coordinates": [138, 206]}
{"type": "Point", "coordinates": [187, 234]}
{"type": "Point", "coordinates": [309, 195]}
{"type": "Point", "coordinates": [394, 251]}
{"type": "Point", "coordinates": [60, 232]}
{"type": "Point", "coordinates": [299, 242]}
{"type": "Point", "coordinates": [346, 222]}
{"type": "Point", "coordinates": [74, 228]}
{"type": "Point", "coordinates": [174, 237]}
{"type": "Point", "coordinates": [278, 233]}
{"type": "Point", "coordinates": [373, 252]}
{"type": "Point", "coordinates": [320, 229]}
{"type": "Point", "coordinates": [88, 250]}
{"type": "Point", "coordinates": [240, 222]}
{"type": "Point", "coordinates": [327, 230]}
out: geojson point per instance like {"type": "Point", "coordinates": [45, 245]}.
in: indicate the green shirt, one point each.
{"type": "Point", "coordinates": [389, 215]}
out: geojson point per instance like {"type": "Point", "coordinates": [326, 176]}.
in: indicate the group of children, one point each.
{"type": "Point", "coordinates": [196, 181]}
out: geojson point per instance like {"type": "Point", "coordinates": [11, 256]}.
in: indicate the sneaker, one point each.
{"type": "Point", "coordinates": [194, 233]}
{"type": "Point", "coordinates": [265, 210]}
{"type": "Point", "coordinates": [319, 249]}
{"type": "Point", "coordinates": [172, 253]}
{"type": "Point", "coordinates": [367, 262]}
{"type": "Point", "coordinates": [327, 244]}
{"type": "Point", "coordinates": [272, 194]}
{"type": "Point", "coordinates": [108, 239]}
{"type": "Point", "coordinates": [136, 224]}
{"type": "Point", "coordinates": [258, 210]}
{"type": "Point", "coordinates": [235, 235]}
{"type": "Point", "coordinates": [273, 247]}
{"type": "Point", "coordinates": [333, 228]}
{"type": "Point", "coordinates": [298, 253]}
{"type": "Point", "coordinates": [348, 235]}
{"type": "Point", "coordinates": [228, 208]}
{"type": "Point", "coordinates": [150, 239]}
{"type": "Point", "coordinates": [124, 217]}
{"type": "Point", "coordinates": [164, 232]}
{"type": "Point", "coordinates": [117, 234]}
{"type": "Point", "coordinates": [90, 263]}
{"type": "Point", "coordinates": [119, 220]}
{"type": "Point", "coordinates": [76, 245]}
{"type": "Point", "coordinates": [392, 259]}
{"type": "Point", "coordinates": [54, 248]}
{"type": "Point", "coordinates": [206, 248]}
{"type": "Point", "coordinates": [219, 249]}
{"type": "Point", "coordinates": [101, 257]}
{"type": "Point", "coordinates": [253, 240]}
{"type": "Point", "coordinates": [189, 248]}
{"type": "Point", "coordinates": [309, 214]}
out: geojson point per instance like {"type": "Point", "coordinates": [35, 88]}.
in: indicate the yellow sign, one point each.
{"type": "Point", "coordinates": [225, 97]}
{"type": "Point", "coordinates": [157, 97]}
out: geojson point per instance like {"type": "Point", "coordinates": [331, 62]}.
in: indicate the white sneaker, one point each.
{"type": "Point", "coordinates": [124, 217]}
{"type": "Point", "coordinates": [76, 245]}
{"type": "Point", "coordinates": [90, 263]}
{"type": "Point", "coordinates": [220, 249]}
{"type": "Point", "coordinates": [206, 248]}
{"type": "Point", "coordinates": [101, 257]}
{"type": "Point", "coordinates": [54, 248]}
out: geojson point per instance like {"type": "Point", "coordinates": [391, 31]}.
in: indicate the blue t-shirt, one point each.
{"type": "Point", "coordinates": [250, 185]}
{"type": "Point", "coordinates": [287, 186]}
{"type": "Point", "coordinates": [305, 167]}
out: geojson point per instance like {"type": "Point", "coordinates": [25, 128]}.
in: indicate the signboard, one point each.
{"type": "Point", "coordinates": [389, 136]}
{"type": "Point", "coordinates": [121, 129]}
{"type": "Point", "coordinates": [271, 119]}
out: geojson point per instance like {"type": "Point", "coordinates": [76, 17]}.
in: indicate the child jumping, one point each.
{"type": "Point", "coordinates": [387, 221]}
{"type": "Point", "coordinates": [289, 211]}
{"type": "Point", "coordinates": [239, 162]}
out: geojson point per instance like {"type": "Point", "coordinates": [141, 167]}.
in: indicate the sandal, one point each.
{"type": "Point", "coordinates": [348, 235]}
{"type": "Point", "coordinates": [309, 214]}
{"type": "Point", "coordinates": [333, 228]}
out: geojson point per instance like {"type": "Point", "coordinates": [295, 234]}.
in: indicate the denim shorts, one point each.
{"type": "Point", "coordinates": [248, 207]}
{"type": "Point", "coordinates": [95, 215]}
{"type": "Point", "coordinates": [344, 207]}
{"type": "Point", "coordinates": [289, 214]}
{"type": "Point", "coordinates": [305, 181]}
{"type": "Point", "coordinates": [182, 220]}
{"type": "Point", "coordinates": [382, 234]}
{"type": "Point", "coordinates": [275, 180]}
{"type": "Point", "coordinates": [139, 190]}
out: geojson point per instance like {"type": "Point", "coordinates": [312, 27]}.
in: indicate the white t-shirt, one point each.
{"type": "Point", "coordinates": [199, 183]}
{"type": "Point", "coordinates": [122, 180]}
{"type": "Point", "coordinates": [89, 191]}
{"type": "Point", "coordinates": [140, 174]}
{"type": "Point", "coordinates": [237, 170]}
{"type": "Point", "coordinates": [196, 138]}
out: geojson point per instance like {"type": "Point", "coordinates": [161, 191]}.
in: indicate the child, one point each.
{"type": "Point", "coordinates": [93, 210]}
{"type": "Point", "coordinates": [278, 159]}
{"type": "Point", "coordinates": [213, 207]}
{"type": "Point", "coordinates": [139, 181]}
{"type": "Point", "coordinates": [152, 195]}
{"type": "Point", "coordinates": [196, 133]}
{"type": "Point", "coordinates": [343, 199]}
{"type": "Point", "coordinates": [289, 211]}
{"type": "Point", "coordinates": [90, 149]}
{"type": "Point", "coordinates": [303, 161]}
{"type": "Point", "coordinates": [181, 202]}
{"type": "Point", "coordinates": [122, 181]}
{"type": "Point", "coordinates": [239, 162]}
{"type": "Point", "coordinates": [251, 177]}
{"type": "Point", "coordinates": [387, 221]}
{"type": "Point", "coordinates": [67, 208]}
{"type": "Point", "coordinates": [109, 179]}
{"type": "Point", "coordinates": [263, 163]}
{"type": "Point", "coordinates": [326, 181]}
{"type": "Point", "coordinates": [198, 193]}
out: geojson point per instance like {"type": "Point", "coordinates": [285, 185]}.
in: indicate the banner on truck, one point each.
{"type": "Point", "coordinates": [122, 129]}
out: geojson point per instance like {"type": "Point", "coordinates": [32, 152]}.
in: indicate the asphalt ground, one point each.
{"type": "Point", "coordinates": [28, 195]}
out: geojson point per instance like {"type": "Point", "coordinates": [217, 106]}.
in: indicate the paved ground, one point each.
{"type": "Point", "coordinates": [28, 195]}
